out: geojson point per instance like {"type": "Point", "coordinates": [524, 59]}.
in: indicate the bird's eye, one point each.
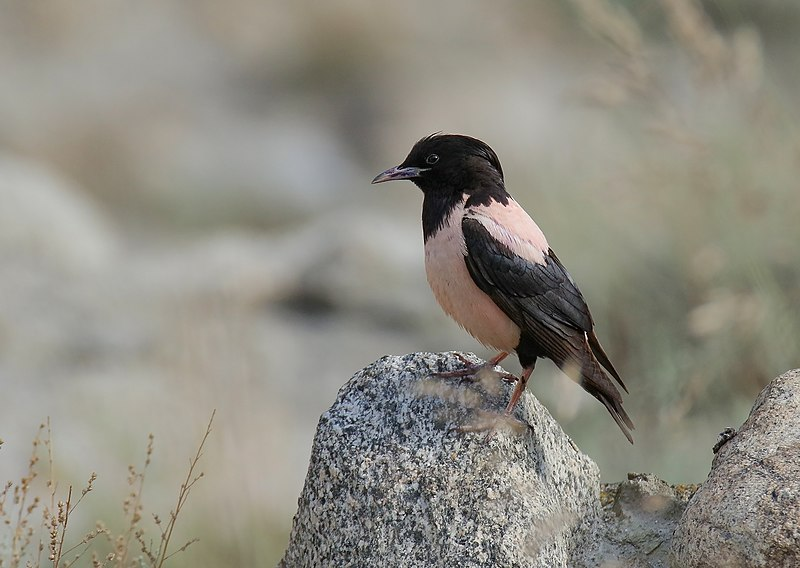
{"type": "Point", "coordinates": [432, 159]}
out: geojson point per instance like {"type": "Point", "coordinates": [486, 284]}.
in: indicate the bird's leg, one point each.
{"type": "Point", "coordinates": [497, 359]}
{"type": "Point", "coordinates": [491, 426]}
{"type": "Point", "coordinates": [520, 388]}
{"type": "Point", "coordinates": [472, 370]}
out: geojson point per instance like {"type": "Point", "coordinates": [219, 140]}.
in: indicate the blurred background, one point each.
{"type": "Point", "coordinates": [187, 223]}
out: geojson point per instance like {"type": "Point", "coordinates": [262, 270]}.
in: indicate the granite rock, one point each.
{"type": "Point", "coordinates": [635, 526]}
{"type": "Point", "coordinates": [748, 511]}
{"type": "Point", "coordinates": [401, 475]}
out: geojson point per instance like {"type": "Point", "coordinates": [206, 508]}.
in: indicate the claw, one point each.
{"type": "Point", "coordinates": [473, 371]}
{"type": "Point", "coordinates": [489, 422]}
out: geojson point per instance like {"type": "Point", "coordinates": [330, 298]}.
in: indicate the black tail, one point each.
{"type": "Point", "coordinates": [596, 382]}
{"type": "Point", "coordinates": [582, 359]}
{"type": "Point", "coordinates": [604, 390]}
{"type": "Point", "coordinates": [601, 356]}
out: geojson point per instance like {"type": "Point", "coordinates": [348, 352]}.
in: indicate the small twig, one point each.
{"type": "Point", "coordinates": [656, 547]}
{"type": "Point", "coordinates": [183, 495]}
{"type": "Point", "coordinates": [85, 490]}
{"type": "Point", "coordinates": [133, 505]}
{"type": "Point", "coordinates": [182, 548]}
{"type": "Point", "coordinates": [63, 520]}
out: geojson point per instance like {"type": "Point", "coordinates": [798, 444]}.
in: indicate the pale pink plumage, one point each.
{"type": "Point", "coordinates": [452, 284]}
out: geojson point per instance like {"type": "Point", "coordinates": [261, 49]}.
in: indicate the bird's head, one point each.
{"type": "Point", "coordinates": [448, 163]}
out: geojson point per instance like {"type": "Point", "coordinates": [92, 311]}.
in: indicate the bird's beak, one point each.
{"type": "Point", "coordinates": [398, 172]}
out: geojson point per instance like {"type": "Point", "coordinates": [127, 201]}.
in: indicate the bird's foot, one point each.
{"type": "Point", "coordinates": [475, 372]}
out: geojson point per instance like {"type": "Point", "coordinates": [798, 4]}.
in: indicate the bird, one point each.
{"type": "Point", "coordinates": [491, 269]}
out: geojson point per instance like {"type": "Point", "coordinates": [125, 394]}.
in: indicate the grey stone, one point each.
{"type": "Point", "coordinates": [46, 219]}
{"type": "Point", "coordinates": [637, 520]}
{"type": "Point", "coordinates": [748, 511]}
{"type": "Point", "coordinates": [393, 482]}
{"type": "Point", "coordinates": [342, 263]}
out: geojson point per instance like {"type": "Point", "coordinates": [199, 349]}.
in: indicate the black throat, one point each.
{"type": "Point", "coordinates": [485, 185]}
{"type": "Point", "coordinates": [436, 209]}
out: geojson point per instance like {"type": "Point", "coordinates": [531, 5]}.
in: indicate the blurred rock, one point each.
{"type": "Point", "coordinates": [636, 524]}
{"type": "Point", "coordinates": [44, 218]}
{"type": "Point", "coordinates": [391, 483]}
{"type": "Point", "coordinates": [222, 167]}
{"type": "Point", "coordinates": [244, 267]}
{"type": "Point", "coordinates": [748, 511]}
{"type": "Point", "coordinates": [360, 262]}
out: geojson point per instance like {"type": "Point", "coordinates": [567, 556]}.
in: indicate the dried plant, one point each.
{"type": "Point", "coordinates": [20, 500]}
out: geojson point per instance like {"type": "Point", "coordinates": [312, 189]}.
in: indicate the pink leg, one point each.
{"type": "Point", "coordinates": [494, 361]}
{"type": "Point", "coordinates": [520, 388]}
{"type": "Point", "coordinates": [490, 423]}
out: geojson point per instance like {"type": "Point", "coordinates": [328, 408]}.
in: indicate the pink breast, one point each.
{"type": "Point", "coordinates": [513, 227]}
{"type": "Point", "coordinates": [458, 295]}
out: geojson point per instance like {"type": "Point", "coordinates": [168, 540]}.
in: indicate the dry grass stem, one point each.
{"type": "Point", "coordinates": [18, 502]}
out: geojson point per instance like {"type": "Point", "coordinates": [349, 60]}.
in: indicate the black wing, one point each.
{"type": "Point", "coordinates": [521, 286]}
{"type": "Point", "coordinates": [544, 302]}
{"type": "Point", "coordinates": [540, 298]}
